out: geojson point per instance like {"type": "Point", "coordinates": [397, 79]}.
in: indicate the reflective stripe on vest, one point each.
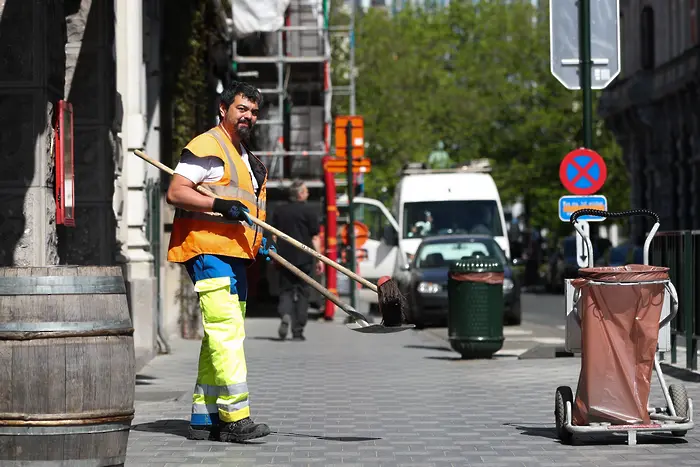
{"type": "Point", "coordinates": [196, 233]}
{"type": "Point", "coordinates": [231, 190]}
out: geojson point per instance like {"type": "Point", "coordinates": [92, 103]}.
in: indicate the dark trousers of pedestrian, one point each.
{"type": "Point", "coordinates": [293, 304]}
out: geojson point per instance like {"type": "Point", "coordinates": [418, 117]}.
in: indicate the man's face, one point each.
{"type": "Point", "coordinates": [303, 193]}
{"type": "Point", "coordinates": [241, 116]}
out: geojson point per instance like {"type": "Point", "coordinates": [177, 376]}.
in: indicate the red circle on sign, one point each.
{"type": "Point", "coordinates": [583, 172]}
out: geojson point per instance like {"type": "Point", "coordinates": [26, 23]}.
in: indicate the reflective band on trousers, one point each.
{"type": "Point", "coordinates": [212, 404]}
{"type": "Point", "coordinates": [221, 379]}
{"type": "Point", "coordinates": [229, 390]}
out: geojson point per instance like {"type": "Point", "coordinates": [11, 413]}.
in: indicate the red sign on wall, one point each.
{"type": "Point", "coordinates": [65, 166]}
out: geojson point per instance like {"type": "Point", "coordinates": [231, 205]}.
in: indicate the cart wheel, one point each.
{"type": "Point", "coordinates": [679, 397]}
{"type": "Point", "coordinates": [562, 396]}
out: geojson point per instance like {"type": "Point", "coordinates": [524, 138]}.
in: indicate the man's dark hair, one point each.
{"type": "Point", "coordinates": [246, 90]}
{"type": "Point", "coordinates": [295, 189]}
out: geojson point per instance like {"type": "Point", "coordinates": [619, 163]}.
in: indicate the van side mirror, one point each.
{"type": "Point", "coordinates": [390, 236]}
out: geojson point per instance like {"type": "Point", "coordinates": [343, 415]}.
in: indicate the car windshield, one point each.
{"type": "Point", "coordinates": [427, 219]}
{"type": "Point", "coordinates": [440, 255]}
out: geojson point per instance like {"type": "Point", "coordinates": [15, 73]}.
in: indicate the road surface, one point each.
{"type": "Point", "coordinates": [344, 398]}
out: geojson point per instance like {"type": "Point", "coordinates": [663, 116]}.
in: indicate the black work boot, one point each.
{"type": "Point", "coordinates": [203, 432]}
{"type": "Point", "coordinates": [242, 430]}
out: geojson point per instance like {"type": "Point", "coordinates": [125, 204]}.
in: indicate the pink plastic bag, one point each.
{"type": "Point", "coordinates": [619, 333]}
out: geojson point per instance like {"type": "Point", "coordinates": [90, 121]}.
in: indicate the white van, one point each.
{"type": "Point", "coordinates": [427, 202]}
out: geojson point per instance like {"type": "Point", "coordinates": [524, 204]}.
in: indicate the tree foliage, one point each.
{"type": "Point", "coordinates": [476, 76]}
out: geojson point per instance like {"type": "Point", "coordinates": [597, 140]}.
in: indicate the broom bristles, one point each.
{"type": "Point", "coordinates": [392, 303]}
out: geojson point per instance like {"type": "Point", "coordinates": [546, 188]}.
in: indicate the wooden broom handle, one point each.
{"type": "Point", "coordinates": [271, 229]}
{"type": "Point", "coordinates": [318, 287]}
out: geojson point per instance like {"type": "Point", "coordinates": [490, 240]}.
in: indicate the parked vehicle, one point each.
{"type": "Point", "coordinates": [427, 203]}
{"type": "Point", "coordinates": [425, 285]}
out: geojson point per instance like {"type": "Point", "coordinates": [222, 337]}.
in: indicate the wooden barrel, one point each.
{"type": "Point", "coordinates": [67, 370]}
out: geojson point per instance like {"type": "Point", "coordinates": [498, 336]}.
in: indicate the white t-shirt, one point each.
{"type": "Point", "coordinates": [208, 169]}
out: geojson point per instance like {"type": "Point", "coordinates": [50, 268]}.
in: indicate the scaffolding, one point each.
{"type": "Point", "coordinates": [292, 68]}
{"type": "Point", "coordinates": [291, 65]}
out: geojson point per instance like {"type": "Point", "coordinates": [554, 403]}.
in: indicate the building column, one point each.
{"type": "Point", "coordinates": [625, 137]}
{"type": "Point", "coordinates": [694, 154]}
{"type": "Point", "coordinates": [650, 175]}
{"type": "Point", "coordinates": [31, 83]}
{"type": "Point", "coordinates": [130, 199]}
{"type": "Point", "coordinates": [639, 182]}
{"type": "Point", "coordinates": [664, 166]}
{"type": "Point", "coordinates": [684, 166]}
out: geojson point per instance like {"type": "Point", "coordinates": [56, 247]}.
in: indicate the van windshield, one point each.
{"type": "Point", "coordinates": [430, 218]}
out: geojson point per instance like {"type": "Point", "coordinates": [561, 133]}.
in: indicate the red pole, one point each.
{"type": "Point", "coordinates": [331, 240]}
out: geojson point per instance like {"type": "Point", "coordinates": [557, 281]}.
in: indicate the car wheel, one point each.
{"type": "Point", "coordinates": [412, 318]}
{"type": "Point", "coordinates": [514, 316]}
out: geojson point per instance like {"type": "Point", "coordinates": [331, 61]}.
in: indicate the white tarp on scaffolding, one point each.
{"type": "Point", "coordinates": [251, 16]}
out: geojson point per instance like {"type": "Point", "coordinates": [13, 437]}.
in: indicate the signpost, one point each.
{"type": "Point", "coordinates": [603, 31]}
{"type": "Point", "coordinates": [584, 55]}
{"type": "Point", "coordinates": [583, 172]}
{"type": "Point", "coordinates": [581, 250]}
{"type": "Point", "coordinates": [593, 61]}
{"type": "Point", "coordinates": [570, 204]}
{"type": "Point", "coordinates": [349, 133]}
{"type": "Point", "coordinates": [339, 165]}
{"type": "Point", "coordinates": [350, 143]}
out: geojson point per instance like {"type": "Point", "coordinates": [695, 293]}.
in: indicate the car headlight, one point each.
{"type": "Point", "coordinates": [508, 285]}
{"type": "Point", "coordinates": [428, 287]}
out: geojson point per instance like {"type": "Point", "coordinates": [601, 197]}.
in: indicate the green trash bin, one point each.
{"type": "Point", "coordinates": [475, 306]}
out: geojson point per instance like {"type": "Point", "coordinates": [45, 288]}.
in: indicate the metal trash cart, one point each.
{"type": "Point", "coordinates": [617, 397]}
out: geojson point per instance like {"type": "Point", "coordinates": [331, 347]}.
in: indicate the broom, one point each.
{"type": "Point", "coordinates": [390, 301]}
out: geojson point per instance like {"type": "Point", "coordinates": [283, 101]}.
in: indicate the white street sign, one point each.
{"type": "Point", "coordinates": [564, 42]}
{"type": "Point", "coordinates": [581, 250]}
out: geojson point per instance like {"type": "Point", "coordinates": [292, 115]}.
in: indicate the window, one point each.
{"type": "Point", "coordinates": [373, 218]}
{"type": "Point", "coordinates": [440, 255]}
{"type": "Point", "coordinates": [647, 38]}
{"type": "Point", "coordinates": [427, 219]}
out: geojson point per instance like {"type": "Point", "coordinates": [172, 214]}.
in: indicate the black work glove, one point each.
{"type": "Point", "coordinates": [232, 209]}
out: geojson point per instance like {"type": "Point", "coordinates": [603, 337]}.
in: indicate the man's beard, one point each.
{"type": "Point", "coordinates": [244, 131]}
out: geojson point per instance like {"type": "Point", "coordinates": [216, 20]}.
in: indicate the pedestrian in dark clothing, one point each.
{"type": "Point", "coordinates": [300, 221]}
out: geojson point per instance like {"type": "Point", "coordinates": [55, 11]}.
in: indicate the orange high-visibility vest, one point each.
{"type": "Point", "coordinates": [196, 233]}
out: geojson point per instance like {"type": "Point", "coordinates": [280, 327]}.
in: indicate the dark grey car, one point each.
{"type": "Point", "coordinates": [426, 286]}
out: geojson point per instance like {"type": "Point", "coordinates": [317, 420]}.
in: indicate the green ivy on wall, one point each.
{"type": "Point", "coordinates": [189, 31]}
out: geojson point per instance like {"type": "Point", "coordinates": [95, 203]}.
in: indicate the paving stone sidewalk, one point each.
{"type": "Point", "coordinates": [346, 398]}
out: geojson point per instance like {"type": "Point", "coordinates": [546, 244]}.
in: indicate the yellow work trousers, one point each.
{"type": "Point", "coordinates": [221, 392]}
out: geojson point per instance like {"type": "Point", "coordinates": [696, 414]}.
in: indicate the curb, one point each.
{"type": "Point", "coordinates": [544, 351]}
{"type": "Point", "coordinates": [679, 372]}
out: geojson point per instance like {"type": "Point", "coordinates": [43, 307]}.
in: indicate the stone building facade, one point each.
{"type": "Point", "coordinates": [653, 109]}
{"type": "Point", "coordinates": [104, 58]}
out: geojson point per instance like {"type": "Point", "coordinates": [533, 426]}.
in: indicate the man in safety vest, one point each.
{"type": "Point", "coordinates": [216, 250]}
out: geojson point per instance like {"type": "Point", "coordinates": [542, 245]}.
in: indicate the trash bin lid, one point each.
{"type": "Point", "coordinates": [477, 264]}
